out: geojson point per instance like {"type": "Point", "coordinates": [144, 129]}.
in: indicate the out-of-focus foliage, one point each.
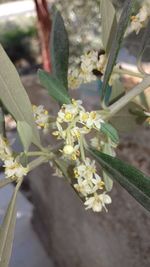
{"type": "Point", "coordinates": [17, 42]}
{"type": "Point", "coordinates": [82, 19]}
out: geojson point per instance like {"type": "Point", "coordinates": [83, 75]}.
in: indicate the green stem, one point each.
{"type": "Point", "coordinates": [82, 148]}
{"type": "Point", "coordinates": [114, 108]}
{"type": "Point", "coordinates": [35, 163]}
{"type": "Point", "coordinates": [37, 153]}
{"type": "Point", "coordinates": [128, 72]}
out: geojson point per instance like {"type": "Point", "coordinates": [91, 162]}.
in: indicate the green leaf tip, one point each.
{"type": "Point", "coordinates": [54, 87]}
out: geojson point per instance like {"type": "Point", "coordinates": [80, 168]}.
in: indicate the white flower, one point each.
{"type": "Point", "coordinates": [83, 187]}
{"type": "Point", "coordinates": [41, 117]}
{"type": "Point", "coordinates": [74, 81]}
{"type": "Point", "coordinates": [68, 112]}
{"type": "Point", "coordinates": [98, 183]}
{"type": "Point", "coordinates": [91, 119]}
{"type": "Point", "coordinates": [88, 61]}
{"type": "Point", "coordinates": [97, 202]}
{"type": "Point", "coordinates": [85, 170]}
{"type": "Point", "coordinates": [101, 64]}
{"type": "Point", "coordinates": [71, 152]}
{"type": "Point", "coordinates": [14, 169]}
{"type": "Point", "coordinates": [140, 20]}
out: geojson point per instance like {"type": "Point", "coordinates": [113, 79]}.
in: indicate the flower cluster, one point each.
{"type": "Point", "coordinates": [13, 169]}
{"type": "Point", "coordinates": [89, 185]}
{"type": "Point", "coordinates": [141, 19]}
{"type": "Point", "coordinates": [41, 116]}
{"type": "Point", "coordinates": [91, 63]}
{"type": "Point", "coordinates": [72, 123]}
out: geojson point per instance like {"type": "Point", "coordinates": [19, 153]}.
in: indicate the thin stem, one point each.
{"type": "Point", "coordinates": [37, 153]}
{"type": "Point", "coordinates": [128, 72]}
{"type": "Point", "coordinates": [35, 163]}
{"type": "Point", "coordinates": [114, 108]}
{"type": "Point", "coordinates": [82, 148]}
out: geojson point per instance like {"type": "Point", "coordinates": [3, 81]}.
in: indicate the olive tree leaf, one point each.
{"type": "Point", "coordinates": [59, 50]}
{"type": "Point", "coordinates": [54, 87]}
{"type": "Point", "coordinates": [14, 96]}
{"type": "Point", "coordinates": [107, 179]}
{"type": "Point", "coordinates": [2, 121]}
{"type": "Point", "coordinates": [109, 23]}
{"type": "Point", "coordinates": [143, 44]}
{"type": "Point", "coordinates": [110, 131]}
{"type": "Point", "coordinates": [114, 50]}
{"type": "Point", "coordinates": [7, 230]}
{"type": "Point", "coordinates": [107, 93]}
{"type": "Point", "coordinates": [25, 134]}
{"type": "Point", "coordinates": [117, 90]}
{"type": "Point", "coordinates": [133, 180]}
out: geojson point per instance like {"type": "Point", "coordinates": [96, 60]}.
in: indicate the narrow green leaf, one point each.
{"type": "Point", "coordinates": [60, 50]}
{"type": "Point", "coordinates": [7, 230]}
{"type": "Point", "coordinates": [107, 179]}
{"type": "Point", "coordinates": [107, 93]}
{"type": "Point", "coordinates": [133, 180]}
{"type": "Point", "coordinates": [117, 90]}
{"type": "Point", "coordinates": [25, 133]}
{"type": "Point", "coordinates": [54, 87]}
{"type": "Point", "coordinates": [121, 28]}
{"type": "Point", "coordinates": [2, 121]}
{"type": "Point", "coordinates": [109, 23]}
{"type": "Point", "coordinates": [14, 96]}
{"type": "Point", "coordinates": [110, 131]}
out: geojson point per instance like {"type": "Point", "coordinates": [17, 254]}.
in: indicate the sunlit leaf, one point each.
{"type": "Point", "coordinates": [25, 134]}
{"type": "Point", "coordinates": [14, 96]}
{"type": "Point", "coordinates": [109, 23]}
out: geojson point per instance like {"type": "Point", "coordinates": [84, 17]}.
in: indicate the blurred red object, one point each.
{"type": "Point", "coordinates": [44, 31]}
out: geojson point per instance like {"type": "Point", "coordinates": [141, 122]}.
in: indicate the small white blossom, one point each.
{"type": "Point", "coordinates": [91, 119]}
{"type": "Point", "coordinates": [140, 20]}
{"type": "Point", "coordinates": [41, 117]}
{"type": "Point", "coordinates": [68, 112]}
{"type": "Point", "coordinates": [74, 80]}
{"type": "Point", "coordinates": [85, 170]}
{"type": "Point", "coordinates": [14, 169]}
{"type": "Point", "coordinates": [97, 202]}
{"type": "Point", "coordinates": [83, 187]}
{"type": "Point", "coordinates": [101, 64]}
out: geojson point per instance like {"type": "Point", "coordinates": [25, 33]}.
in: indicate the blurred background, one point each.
{"type": "Point", "coordinates": [53, 229]}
